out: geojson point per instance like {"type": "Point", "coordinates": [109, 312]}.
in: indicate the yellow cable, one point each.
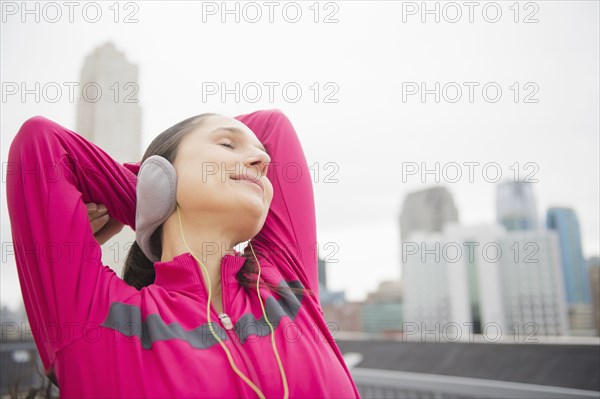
{"type": "Point", "coordinates": [281, 370]}
{"type": "Point", "coordinates": [233, 366]}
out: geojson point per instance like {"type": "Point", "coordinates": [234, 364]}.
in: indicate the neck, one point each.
{"type": "Point", "coordinates": [206, 239]}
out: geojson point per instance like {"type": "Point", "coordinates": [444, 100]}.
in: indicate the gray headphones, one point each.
{"type": "Point", "coordinates": [156, 193]}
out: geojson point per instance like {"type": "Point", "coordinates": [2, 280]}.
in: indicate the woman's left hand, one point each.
{"type": "Point", "coordinates": [103, 226]}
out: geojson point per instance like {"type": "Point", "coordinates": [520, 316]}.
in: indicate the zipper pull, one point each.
{"type": "Point", "coordinates": [226, 321]}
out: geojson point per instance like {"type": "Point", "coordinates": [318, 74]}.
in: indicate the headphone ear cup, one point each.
{"type": "Point", "coordinates": [156, 193]}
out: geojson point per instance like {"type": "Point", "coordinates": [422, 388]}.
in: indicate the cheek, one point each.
{"type": "Point", "coordinates": [208, 173]}
{"type": "Point", "coordinates": [195, 189]}
{"type": "Point", "coordinates": [188, 190]}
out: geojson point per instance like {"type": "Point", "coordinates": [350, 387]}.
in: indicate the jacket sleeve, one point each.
{"type": "Point", "coordinates": [134, 167]}
{"type": "Point", "coordinates": [289, 232]}
{"type": "Point", "coordinates": [51, 173]}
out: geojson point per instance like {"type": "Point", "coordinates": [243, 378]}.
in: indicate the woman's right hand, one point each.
{"type": "Point", "coordinates": [103, 226]}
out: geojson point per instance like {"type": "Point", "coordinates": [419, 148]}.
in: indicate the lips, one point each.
{"type": "Point", "coordinates": [249, 178]}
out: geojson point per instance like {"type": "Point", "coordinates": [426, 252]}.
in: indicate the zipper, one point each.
{"type": "Point", "coordinates": [226, 321]}
{"type": "Point", "coordinates": [228, 325]}
{"type": "Point", "coordinates": [233, 337]}
{"type": "Point", "coordinates": [224, 317]}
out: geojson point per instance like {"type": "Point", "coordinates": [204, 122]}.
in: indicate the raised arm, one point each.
{"type": "Point", "coordinates": [289, 232]}
{"type": "Point", "coordinates": [51, 173]}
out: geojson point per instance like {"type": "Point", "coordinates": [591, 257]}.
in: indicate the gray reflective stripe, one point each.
{"type": "Point", "coordinates": [288, 304]}
{"type": "Point", "coordinates": [127, 319]}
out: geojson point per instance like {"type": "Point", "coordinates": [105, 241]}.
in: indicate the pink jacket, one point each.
{"type": "Point", "coordinates": [104, 338]}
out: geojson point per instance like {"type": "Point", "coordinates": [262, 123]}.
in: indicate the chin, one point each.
{"type": "Point", "coordinates": [253, 208]}
{"type": "Point", "coordinates": [248, 232]}
{"type": "Point", "coordinates": [249, 217]}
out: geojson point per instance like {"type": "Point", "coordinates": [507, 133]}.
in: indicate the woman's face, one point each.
{"type": "Point", "coordinates": [213, 162]}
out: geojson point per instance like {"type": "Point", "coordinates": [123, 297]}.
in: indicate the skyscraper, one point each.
{"type": "Point", "coordinates": [532, 283]}
{"type": "Point", "coordinates": [327, 297]}
{"type": "Point", "coordinates": [577, 285]}
{"type": "Point", "coordinates": [427, 211]}
{"type": "Point", "coordinates": [436, 293]}
{"type": "Point", "coordinates": [322, 272]}
{"type": "Point", "coordinates": [594, 273]}
{"type": "Point", "coordinates": [515, 206]}
{"type": "Point", "coordinates": [109, 115]}
{"type": "Point", "coordinates": [484, 278]}
{"type": "Point", "coordinates": [108, 110]}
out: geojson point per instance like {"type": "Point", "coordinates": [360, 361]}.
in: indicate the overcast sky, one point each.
{"type": "Point", "coordinates": [372, 57]}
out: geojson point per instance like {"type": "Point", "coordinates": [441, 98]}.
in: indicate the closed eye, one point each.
{"type": "Point", "coordinates": [227, 145]}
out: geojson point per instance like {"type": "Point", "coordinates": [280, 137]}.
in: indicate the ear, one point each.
{"type": "Point", "coordinates": [156, 193]}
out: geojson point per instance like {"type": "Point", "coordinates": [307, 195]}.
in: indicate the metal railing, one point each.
{"type": "Point", "coordinates": [382, 384]}
{"type": "Point", "coordinates": [19, 357]}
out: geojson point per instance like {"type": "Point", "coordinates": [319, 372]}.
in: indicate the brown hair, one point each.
{"type": "Point", "coordinates": [139, 270]}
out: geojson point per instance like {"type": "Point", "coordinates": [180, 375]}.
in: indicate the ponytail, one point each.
{"type": "Point", "coordinates": [139, 271]}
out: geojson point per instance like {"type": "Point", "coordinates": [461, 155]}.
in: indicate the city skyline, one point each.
{"type": "Point", "coordinates": [365, 138]}
{"type": "Point", "coordinates": [534, 278]}
{"type": "Point", "coordinates": [453, 150]}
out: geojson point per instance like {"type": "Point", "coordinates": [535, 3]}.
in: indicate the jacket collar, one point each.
{"type": "Point", "coordinates": [183, 270]}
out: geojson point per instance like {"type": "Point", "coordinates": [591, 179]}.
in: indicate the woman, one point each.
{"type": "Point", "coordinates": [194, 317]}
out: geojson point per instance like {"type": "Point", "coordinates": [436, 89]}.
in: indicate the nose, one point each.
{"type": "Point", "coordinates": [259, 160]}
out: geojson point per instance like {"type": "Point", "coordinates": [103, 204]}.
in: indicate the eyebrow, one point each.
{"type": "Point", "coordinates": [237, 132]}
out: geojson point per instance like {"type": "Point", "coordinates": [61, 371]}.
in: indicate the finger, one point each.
{"type": "Point", "coordinates": [101, 210]}
{"type": "Point", "coordinates": [96, 216]}
{"type": "Point", "coordinates": [99, 222]}
{"type": "Point", "coordinates": [110, 229]}
{"type": "Point", "coordinates": [91, 207]}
